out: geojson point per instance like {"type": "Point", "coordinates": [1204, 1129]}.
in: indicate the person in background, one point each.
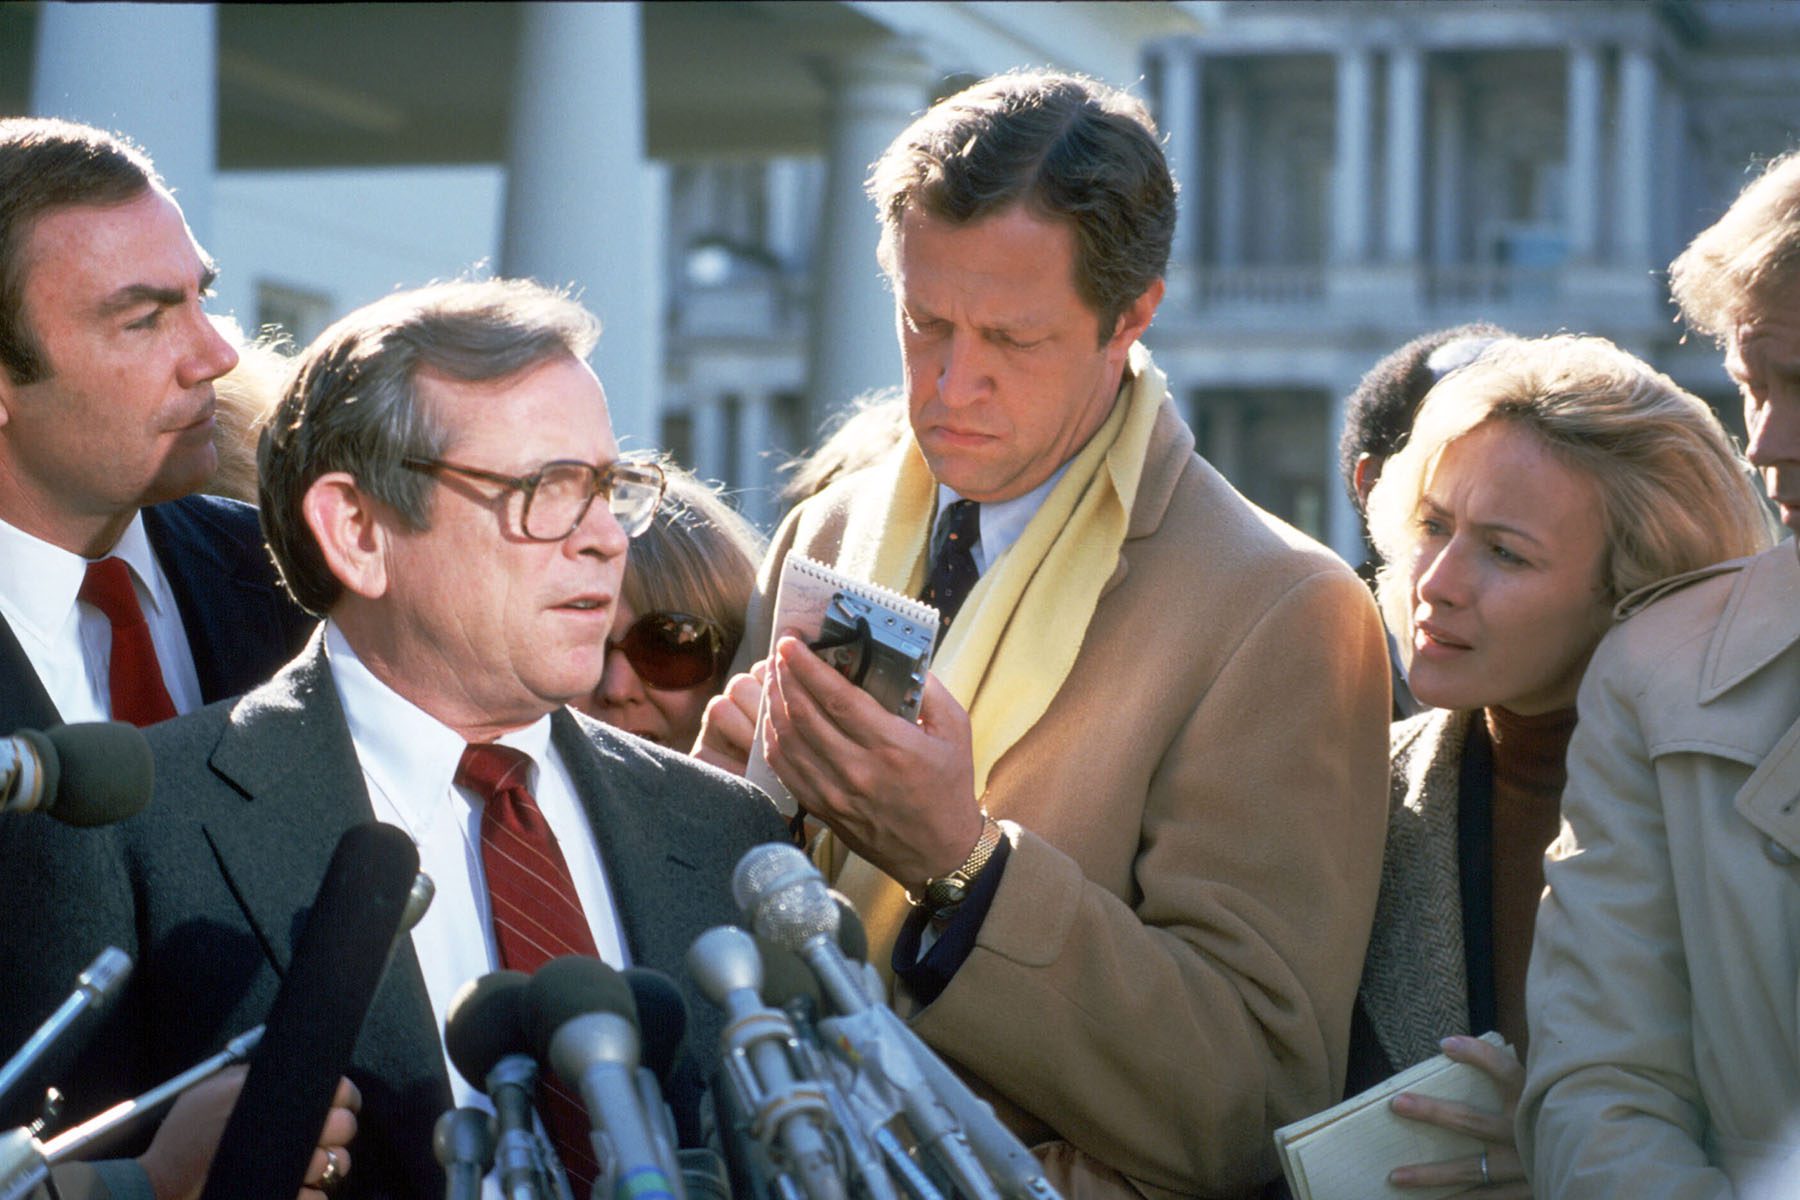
{"type": "Point", "coordinates": [1542, 483]}
{"type": "Point", "coordinates": [246, 395]}
{"type": "Point", "coordinates": [1664, 994]}
{"type": "Point", "coordinates": [680, 615]}
{"type": "Point", "coordinates": [1377, 418]}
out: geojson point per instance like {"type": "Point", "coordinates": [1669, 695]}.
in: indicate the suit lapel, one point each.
{"type": "Point", "coordinates": [287, 749]}
{"type": "Point", "coordinates": [227, 606]}
{"type": "Point", "coordinates": [641, 836]}
{"type": "Point", "coordinates": [24, 704]}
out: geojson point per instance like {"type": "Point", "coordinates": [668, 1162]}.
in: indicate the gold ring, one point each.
{"type": "Point", "coordinates": [329, 1177]}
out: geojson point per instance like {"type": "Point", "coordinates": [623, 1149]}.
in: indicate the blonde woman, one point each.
{"type": "Point", "coordinates": [680, 614]}
{"type": "Point", "coordinates": [1542, 483]}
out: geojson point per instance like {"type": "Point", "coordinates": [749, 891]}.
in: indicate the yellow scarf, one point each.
{"type": "Point", "coordinates": [1016, 638]}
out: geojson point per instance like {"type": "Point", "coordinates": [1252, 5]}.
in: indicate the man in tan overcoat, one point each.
{"type": "Point", "coordinates": [1139, 820]}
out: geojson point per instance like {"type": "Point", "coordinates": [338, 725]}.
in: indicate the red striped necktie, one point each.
{"type": "Point", "coordinates": [134, 676]}
{"type": "Point", "coordinates": [537, 915]}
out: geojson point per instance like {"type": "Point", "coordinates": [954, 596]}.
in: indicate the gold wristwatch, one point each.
{"type": "Point", "coordinates": [945, 894]}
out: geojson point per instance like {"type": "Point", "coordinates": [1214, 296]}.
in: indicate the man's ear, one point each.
{"type": "Point", "coordinates": [349, 532]}
{"type": "Point", "coordinates": [1136, 319]}
{"type": "Point", "coordinates": [1363, 477]}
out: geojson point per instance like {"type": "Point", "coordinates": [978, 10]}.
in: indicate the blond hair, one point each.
{"type": "Point", "coordinates": [1747, 259]}
{"type": "Point", "coordinates": [699, 556]}
{"type": "Point", "coordinates": [1674, 493]}
{"type": "Point", "coordinates": [247, 395]}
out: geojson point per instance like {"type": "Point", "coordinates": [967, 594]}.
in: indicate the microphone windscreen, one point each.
{"type": "Point", "coordinates": [785, 975]}
{"type": "Point", "coordinates": [662, 1017]}
{"type": "Point", "coordinates": [852, 938]}
{"type": "Point", "coordinates": [317, 1015]}
{"type": "Point", "coordinates": [106, 772]}
{"type": "Point", "coordinates": [486, 1022]}
{"type": "Point", "coordinates": [569, 987]}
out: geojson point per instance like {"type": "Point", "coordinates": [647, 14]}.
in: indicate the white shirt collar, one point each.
{"type": "Point", "coordinates": [41, 581]}
{"type": "Point", "coordinates": [405, 751]}
{"type": "Point", "coordinates": [1003, 522]}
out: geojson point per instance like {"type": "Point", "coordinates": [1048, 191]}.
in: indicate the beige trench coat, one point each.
{"type": "Point", "coordinates": [1663, 998]}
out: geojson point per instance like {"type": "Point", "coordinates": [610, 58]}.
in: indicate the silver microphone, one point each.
{"type": "Point", "coordinates": [757, 1049]}
{"type": "Point", "coordinates": [787, 902]}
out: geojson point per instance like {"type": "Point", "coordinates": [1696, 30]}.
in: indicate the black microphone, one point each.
{"type": "Point", "coordinates": [662, 1028]}
{"type": "Point", "coordinates": [317, 1015]}
{"type": "Point", "coordinates": [93, 773]}
{"type": "Point", "coordinates": [583, 1021]}
{"type": "Point", "coordinates": [463, 1143]}
{"type": "Point", "coordinates": [486, 1037]}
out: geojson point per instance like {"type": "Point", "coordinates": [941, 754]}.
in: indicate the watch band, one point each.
{"type": "Point", "coordinates": [945, 894]}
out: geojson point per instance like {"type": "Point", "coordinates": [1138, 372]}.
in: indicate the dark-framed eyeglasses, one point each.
{"type": "Point", "coordinates": [557, 494]}
{"type": "Point", "coordinates": [672, 650]}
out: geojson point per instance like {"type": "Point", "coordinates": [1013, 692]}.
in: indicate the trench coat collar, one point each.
{"type": "Point", "coordinates": [1762, 619]}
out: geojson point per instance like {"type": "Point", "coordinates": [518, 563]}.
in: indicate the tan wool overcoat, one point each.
{"type": "Point", "coordinates": [1167, 970]}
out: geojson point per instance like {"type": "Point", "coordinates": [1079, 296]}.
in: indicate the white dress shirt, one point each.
{"type": "Point", "coordinates": [69, 642]}
{"type": "Point", "coordinates": [409, 760]}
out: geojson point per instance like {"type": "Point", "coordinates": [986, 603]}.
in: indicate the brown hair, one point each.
{"type": "Point", "coordinates": [1068, 147]}
{"type": "Point", "coordinates": [699, 556]}
{"type": "Point", "coordinates": [351, 406]}
{"type": "Point", "coordinates": [48, 164]}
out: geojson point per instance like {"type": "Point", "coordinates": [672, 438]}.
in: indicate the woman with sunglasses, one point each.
{"type": "Point", "coordinates": [680, 614]}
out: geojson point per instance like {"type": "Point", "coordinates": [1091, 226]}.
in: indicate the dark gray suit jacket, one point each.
{"type": "Point", "coordinates": [251, 800]}
{"type": "Point", "coordinates": [54, 917]}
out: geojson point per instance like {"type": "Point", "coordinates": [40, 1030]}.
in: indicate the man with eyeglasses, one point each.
{"type": "Point", "coordinates": [440, 483]}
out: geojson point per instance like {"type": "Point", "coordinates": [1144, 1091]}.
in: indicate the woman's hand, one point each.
{"type": "Point", "coordinates": [1497, 1170]}
{"type": "Point", "coordinates": [729, 726]}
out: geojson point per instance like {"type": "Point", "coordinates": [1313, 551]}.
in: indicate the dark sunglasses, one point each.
{"type": "Point", "coordinates": [671, 650]}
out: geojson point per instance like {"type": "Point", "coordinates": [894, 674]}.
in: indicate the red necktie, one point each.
{"type": "Point", "coordinates": [537, 915]}
{"type": "Point", "coordinates": [134, 676]}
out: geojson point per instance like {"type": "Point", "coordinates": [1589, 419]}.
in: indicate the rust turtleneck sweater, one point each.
{"type": "Point", "coordinates": [1529, 772]}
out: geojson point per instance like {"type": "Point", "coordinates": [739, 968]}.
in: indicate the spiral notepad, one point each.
{"type": "Point", "coordinates": [805, 591]}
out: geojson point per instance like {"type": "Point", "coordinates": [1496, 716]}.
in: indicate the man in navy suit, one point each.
{"type": "Point", "coordinates": [441, 483]}
{"type": "Point", "coordinates": [121, 593]}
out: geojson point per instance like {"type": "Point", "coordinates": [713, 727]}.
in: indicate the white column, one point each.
{"type": "Point", "coordinates": [1350, 206]}
{"type": "Point", "coordinates": [1231, 165]}
{"type": "Point", "coordinates": [1405, 153]}
{"type": "Point", "coordinates": [712, 457]}
{"type": "Point", "coordinates": [1636, 180]}
{"type": "Point", "coordinates": [875, 93]}
{"type": "Point", "coordinates": [583, 203]}
{"type": "Point", "coordinates": [1583, 167]}
{"type": "Point", "coordinates": [784, 233]}
{"type": "Point", "coordinates": [755, 466]}
{"type": "Point", "coordinates": [1182, 121]}
{"type": "Point", "coordinates": [1449, 204]}
{"type": "Point", "coordinates": [146, 70]}
{"type": "Point", "coordinates": [1343, 524]}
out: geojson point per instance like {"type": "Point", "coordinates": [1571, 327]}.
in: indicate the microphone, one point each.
{"type": "Point", "coordinates": [486, 1039]}
{"type": "Point", "coordinates": [463, 1143]}
{"type": "Point", "coordinates": [756, 1051]}
{"type": "Point", "coordinates": [787, 902]}
{"type": "Point", "coordinates": [68, 1027]}
{"type": "Point", "coordinates": [1007, 1160]}
{"type": "Point", "coordinates": [583, 1020]}
{"type": "Point", "coordinates": [662, 1028]}
{"type": "Point", "coordinates": [318, 1012]}
{"type": "Point", "coordinates": [92, 773]}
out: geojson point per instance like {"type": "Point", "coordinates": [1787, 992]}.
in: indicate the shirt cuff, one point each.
{"type": "Point", "coordinates": [925, 968]}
